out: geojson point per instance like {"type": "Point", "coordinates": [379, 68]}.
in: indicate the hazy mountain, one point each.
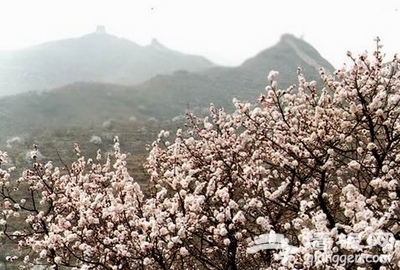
{"type": "Point", "coordinates": [96, 57]}
{"type": "Point", "coordinates": [164, 97]}
{"type": "Point", "coordinates": [220, 84]}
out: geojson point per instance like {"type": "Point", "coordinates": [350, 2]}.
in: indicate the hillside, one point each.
{"type": "Point", "coordinates": [220, 84]}
{"type": "Point", "coordinates": [96, 57]}
{"type": "Point", "coordinates": [163, 97]}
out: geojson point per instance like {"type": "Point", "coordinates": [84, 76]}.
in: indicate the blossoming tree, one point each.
{"type": "Point", "coordinates": [317, 163]}
{"type": "Point", "coordinates": [314, 164]}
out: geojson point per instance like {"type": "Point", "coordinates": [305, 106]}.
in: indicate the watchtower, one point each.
{"type": "Point", "coordinates": [101, 29]}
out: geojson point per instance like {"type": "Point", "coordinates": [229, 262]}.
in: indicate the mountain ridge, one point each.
{"type": "Point", "coordinates": [163, 97]}
{"type": "Point", "coordinates": [96, 57]}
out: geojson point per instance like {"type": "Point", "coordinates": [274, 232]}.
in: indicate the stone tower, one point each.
{"type": "Point", "coordinates": [101, 29]}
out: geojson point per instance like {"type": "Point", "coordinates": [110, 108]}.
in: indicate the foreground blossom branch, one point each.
{"type": "Point", "coordinates": [80, 218]}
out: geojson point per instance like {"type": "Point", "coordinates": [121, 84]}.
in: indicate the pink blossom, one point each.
{"type": "Point", "coordinates": [354, 165]}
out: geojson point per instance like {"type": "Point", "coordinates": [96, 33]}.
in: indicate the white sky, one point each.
{"type": "Point", "coordinates": [227, 32]}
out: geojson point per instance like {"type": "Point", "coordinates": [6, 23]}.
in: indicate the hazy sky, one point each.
{"type": "Point", "coordinates": [227, 32]}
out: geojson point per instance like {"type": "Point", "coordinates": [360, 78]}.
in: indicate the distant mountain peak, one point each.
{"type": "Point", "coordinates": [288, 54]}
{"type": "Point", "coordinates": [288, 37]}
{"type": "Point", "coordinates": [94, 57]}
{"type": "Point", "coordinates": [306, 53]}
{"type": "Point", "coordinates": [157, 45]}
